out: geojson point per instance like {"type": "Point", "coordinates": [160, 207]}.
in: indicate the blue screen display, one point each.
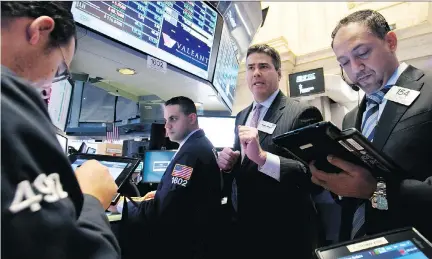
{"type": "Point", "coordinates": [180, 33]}
{"type": "Point", "coordinates": [155, 164]}
{"type": "Point", "coordinates": [405, 250]}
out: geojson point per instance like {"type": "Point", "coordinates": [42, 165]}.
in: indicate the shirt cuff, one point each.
{"type": "Point", "coordinates": [271, 166]}
{"type": "Point", "coordinates": [119, 206]}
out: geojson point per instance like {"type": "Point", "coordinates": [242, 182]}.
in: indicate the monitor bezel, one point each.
{"type": "Point", "coordinates": [72, 83]}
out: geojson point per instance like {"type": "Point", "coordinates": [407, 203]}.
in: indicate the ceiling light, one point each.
{"type": "Point", "coordinates": [126, 71]}
{"type": "Point", "coordinates": [198, 104]}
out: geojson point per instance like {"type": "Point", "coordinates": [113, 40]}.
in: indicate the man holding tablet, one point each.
{"type": "Point", "coordinates": [47, 210]}
{"type": "Point", "coordinates": [396, 116]}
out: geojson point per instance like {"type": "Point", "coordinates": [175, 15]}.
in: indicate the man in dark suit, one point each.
{"type": "Point", "coordinates": [399, 125]}
{"type": "Point", "coordinates": [270, 192]}
{"type": "Point", "coordinates": [182, 219]}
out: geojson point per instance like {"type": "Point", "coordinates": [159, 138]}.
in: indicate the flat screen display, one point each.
{"type": "Point", "coordinates": [155, 164]}
{"type": "Point", "coordinates": [58, 105]}
{"type": "Point", "coordinates": [180, 33]}
{"type": "Point", "coordinates": [226, 71]}
{"type": "Point", "coordinates": [219, 130]}
{"type": "Point", "coordinates": [115, 168]}
{"type": "Point", "coordinates": [405, 249]}
{"type": "Point", "coordinates": [307, 83]}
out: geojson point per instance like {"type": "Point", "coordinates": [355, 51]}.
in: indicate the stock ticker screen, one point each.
{"type": "Point", "coordinates": [226, 71]}
{"type": "Point", "coordinates": [180, 33]}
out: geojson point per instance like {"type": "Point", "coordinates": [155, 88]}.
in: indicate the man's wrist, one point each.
{"type": "Point", "coordinates": [262, 158]}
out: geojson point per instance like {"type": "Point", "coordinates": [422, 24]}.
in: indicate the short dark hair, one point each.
{"type": "Point", "coordinates": [266, 49]}
{"type": "Point", "coordinates": [59, 11]}
{"type": "Point", "coordinates": [372, 19]}
{"type": "Point", "coordinates": [187, 105]}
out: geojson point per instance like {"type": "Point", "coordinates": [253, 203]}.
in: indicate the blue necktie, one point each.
{"type": "Point", "coordinates": [368, 130]}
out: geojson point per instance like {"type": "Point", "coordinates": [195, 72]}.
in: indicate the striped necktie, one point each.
{"type": "Point", "coordinates": [253, 123]}
{"type": "Point", "coordinates": [368, 130]}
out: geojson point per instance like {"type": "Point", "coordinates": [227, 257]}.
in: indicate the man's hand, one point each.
{"type": "Point", "coordinates": [95, 179]}
{"type": "Point", "coordinates": [149, 195]}
{"type": "Point", "coordinates": [354, 181]}
{"type": "Point", "coordinates": [227, 159]}
{"type": "Point", "coordinates": [251, 147]}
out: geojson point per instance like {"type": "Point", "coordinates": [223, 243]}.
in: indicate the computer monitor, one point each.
{"type": "Point", "coordinates": [155, 164]}
{"type": "Point", "coordinates": [91, 150]}
{"type": "Point", "coordinates": [158, 139]}
{"type": "Point", "coordinates": [58, 106]}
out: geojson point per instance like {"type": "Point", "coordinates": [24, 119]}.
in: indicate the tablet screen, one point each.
{"type": "Point", "coordinates": [405, 249]}
{"type": "Point", "coordinates": [115, 168]}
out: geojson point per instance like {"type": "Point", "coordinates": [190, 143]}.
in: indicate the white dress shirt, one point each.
{"type": "Point", "coordinates": [271, 166]}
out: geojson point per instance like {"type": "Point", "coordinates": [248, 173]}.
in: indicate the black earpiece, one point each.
{"type": "Point", "coordinates": [353, 86]}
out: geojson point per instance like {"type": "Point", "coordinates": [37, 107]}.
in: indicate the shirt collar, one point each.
{"type": "Point", "coordinates": [6, 70]}
{"type": "Point", "coordinates": [396, 74]}
{"type": "Point", "coordinates": [267, 103]}
{"type": "Point", "coordinates": [187, 137]}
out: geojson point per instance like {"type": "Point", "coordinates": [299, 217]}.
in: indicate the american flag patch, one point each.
{"type": "Point", "coordinates": [182, 171]}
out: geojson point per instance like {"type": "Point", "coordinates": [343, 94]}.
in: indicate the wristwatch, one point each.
{"type": "Point", "coordinates": [379, 197]}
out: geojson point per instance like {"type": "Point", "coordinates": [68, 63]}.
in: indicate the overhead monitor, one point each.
{"type": "Point", "coordinates": [181, 33]}
{"type": "Point", "coordinates": [307, 83]}
{"type": "Point", "coordinates": [219, 130]}
{"type": "Point", "coordinates": [155, 164]}
{"type": "Point", "coordinates": [58, 105]}
{"type": "Point", "coordinates": [227, 67]}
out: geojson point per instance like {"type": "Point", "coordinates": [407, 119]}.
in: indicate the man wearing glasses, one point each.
{"type": "Point", "coordinates": [47, 210]}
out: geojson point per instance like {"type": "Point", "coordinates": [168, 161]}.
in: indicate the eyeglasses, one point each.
{"type": "Point", "coordinates": [63, 72]}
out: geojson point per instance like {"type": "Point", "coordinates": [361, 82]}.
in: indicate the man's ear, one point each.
{"type": "Point", "coordinates": [193, 118]}
{"type": "Point", "coordinates": [39, 29]}
{"type": "Point", "coordinates": [279, 74]}
{"type": "Point", "coordinates": [391, 40]}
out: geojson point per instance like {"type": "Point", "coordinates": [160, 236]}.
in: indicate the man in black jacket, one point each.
{"type": "Point", "coordinates": [396, 116]}
{"type": "Point", "coordinates": [183, 218]}
{"type": "Point", "coordinates": [48, 211]}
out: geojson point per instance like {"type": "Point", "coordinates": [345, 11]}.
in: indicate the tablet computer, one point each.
{"type": "Point", "coordinates": [121, 168]}
{"type": "Point", "coordinates": [405, 243]}
{"type": "Point", "coordinates": [316, 141]}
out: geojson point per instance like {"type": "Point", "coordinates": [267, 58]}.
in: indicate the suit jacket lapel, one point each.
{"type": "Point", "coordinates": [274, 113]}
{"type": "Point", "coordinates": [244, 115]}
{"type": "Point", "coordinates": [359, 115]}
{"type": "Point", "coordinates": [393, 112]}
